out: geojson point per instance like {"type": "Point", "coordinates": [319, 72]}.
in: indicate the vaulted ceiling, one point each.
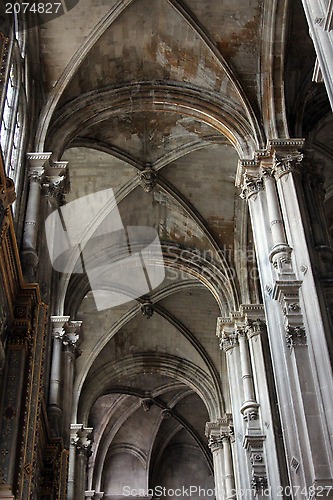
{"type": "Point", "coordinates": [185, 88]}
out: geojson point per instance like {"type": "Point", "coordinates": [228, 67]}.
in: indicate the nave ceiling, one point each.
{"type": "Point", "coordinates": [187, 89]}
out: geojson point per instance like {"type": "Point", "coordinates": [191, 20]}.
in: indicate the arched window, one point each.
{"type": "Point", "coordinates": [13, 104]}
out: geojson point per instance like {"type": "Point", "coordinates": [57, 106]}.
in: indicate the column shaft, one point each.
{"type": "Point", "coordinates": [229, 470]}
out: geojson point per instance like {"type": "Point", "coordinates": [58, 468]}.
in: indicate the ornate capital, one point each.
{"type": "Point", "coordinates": [215, 443]}
{"type": "Point", "coordinates": [252, 185]}
{"type": "Point", "coordinates": [228, 341]}
{"type": "Point", "coordinates": [37, 163]}
{"type": "Point", "coordinates": [148, 178]}
{"type": "Point", "coordinates": [57, 181]}
{"type": "Point", "coordinates": [254, 327]}
{"type": "Point", "coordinates": [71, 338]}
{"type": "Point", "coordinates": [284, 165]}
{"type": "Point", "coordinates": [58, 323]}
{"type": "Point", "coordinates": [219, 431]}
{"type": "Point", "coordinates": [36, 175]}
{"type": "Point", "coordinates": [82, 439]}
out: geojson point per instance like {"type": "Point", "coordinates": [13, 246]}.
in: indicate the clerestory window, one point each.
{"type": "Point", "coordinates": [13, 105]}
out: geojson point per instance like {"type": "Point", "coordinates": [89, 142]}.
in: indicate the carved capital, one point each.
{"type": "Point", "coordinates": [36, 175]}
{"type": "Point", "coordinates": [220, 430]}
{"type": "Point", "coordinates": [71, 338]}
{"type": "Point", "coordinates": [228, 341]}
{"type": "Point", "coordinates": [57, 182]}
{"type": "Point", "coordinates": [254, 327]}
{"type": "Point", "coordinates": [82, 439]}
{"type": "Point", "coordinates": [252, 185]}
{"type": "Point", "coordinates": [37, 163]}
{"type": "Point", "coordinates": [58, 323]}
{"type": "Point", "coordinates": [286, 164]}
{"type": "Point", "coordinates": [215, 443]}
{"type": "Point", "coordinates": [249, 410]}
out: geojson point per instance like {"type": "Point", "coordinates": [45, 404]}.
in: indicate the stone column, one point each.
{"type": "Point", "coordinates": [30, 232]}
{"type": "Point", "coordinates": [230, 490]}
{"type": "Point", "coordinates": [250, 406]}
{"type": "Point", "coordinates": [219, 442]}
{"type": "Point", "coordinates": [74, 429]}
{"type": "Point", "coordinates": [280, 251]}
{"type": "Point", "coordinates": [71, 351]}
{"type": "Point", "coordinates": [83, 452]}
{"type": "Point", "coordinates": [216, 446]}
{"type": "Point", "coordinates": [293, 313]}
{"type": "Point", "coordinates": [54, 409]}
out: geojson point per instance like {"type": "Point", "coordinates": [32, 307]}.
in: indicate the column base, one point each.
{"type": "Point", "coordinates": [6, 492]}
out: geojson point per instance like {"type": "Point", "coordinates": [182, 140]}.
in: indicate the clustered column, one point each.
{"type": "Point", "coordinates": [66, 336]}
{"type": "Point", "coordinates": [71, 352]}
{"type": "Point", "coordinates": [55, 411]}
{"type": "Point", "coordinates": [235, 334]}
{"type": "Point", "coordinates": [219, 434]}
{"type": "Point", "coordinates": [272, 186]}
{"type": "Point", "coordinates": [80, 451]}
{"type": "Point", "coordinates": [29, 243]}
